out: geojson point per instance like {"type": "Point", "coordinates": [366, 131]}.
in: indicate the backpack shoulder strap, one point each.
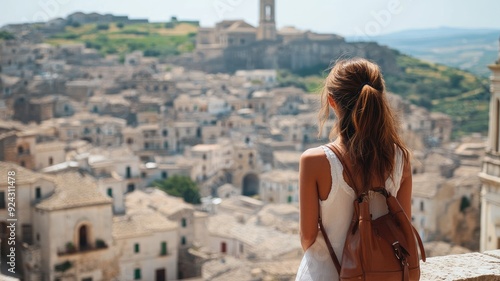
{"type": "Point", "coordinates": [329, 246]}
{"type": "Point", "coordinates": [337, 152]}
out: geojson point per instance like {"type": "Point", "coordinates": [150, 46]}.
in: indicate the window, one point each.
{"type": "Point", "coordinates": [184, 222]}
{"type": "Point", "coordinates": [183, 240]}
{"type": "Point", "coordinates": [38, 192]}
{"type": "Point", "coordinates": [422, 206]}
{"type": "Point", "coordinates": [165, 145]}
{"type": "Point", "coordinates": [241, 248]}
{"type": "Point", "coordinates": [87, 279]}
{"type": "Point", "coordinates": [165, 133]}
{"type": "Point", "coordinates": [27, 231]}
{"type": "Point", "coordinates": [289, 199]}
{"type": "Point", "coordinates": [20, 150]}
{"type": "Point", "coordinates": [23, 164]}
{"type": "Point", "coordinates": [51, 161]}
{"type": "Point", "coordinates": [164, 251]}
{"type": "Point", "coordinates": [163, 175]}
{"type": "Point", "coordinates": [137, 274]}
{"type": "Point", "coordinates": [223, 247]}
{"type": "Point", "coordinates": [110, 192]}
{"type": "Point", "coordinates": [136, 248]}
{"type": "Point", "coordinates": [130, 187]}
{"type": "Point", "coordinates": [128, 173]}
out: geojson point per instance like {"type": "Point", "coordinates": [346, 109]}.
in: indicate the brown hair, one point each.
{"type": "Point", "coordinates": [366, 123]}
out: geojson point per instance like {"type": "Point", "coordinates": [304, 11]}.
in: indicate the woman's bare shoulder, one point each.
{"type": "Point", "coordinates": [313, 153]}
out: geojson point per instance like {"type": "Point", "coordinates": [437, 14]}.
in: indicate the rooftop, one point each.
{"type": "Point", "coordinates": [140, 223]}
{"type": "Point", "coordinates": [23, 176]}
{"type": "Point", "coordinates": [73, 190]}
{"type": "Point", "coordinates": [157, 200]}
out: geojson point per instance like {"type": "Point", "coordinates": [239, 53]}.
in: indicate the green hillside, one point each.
{"type": "Point", "coordinates": [154, 39]}
{"type": "Point", "coordinates": [460, 94]}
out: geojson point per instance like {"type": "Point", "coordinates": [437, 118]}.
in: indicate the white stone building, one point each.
{"type": "Point", "coordinates": [49, 153]}
{"type": "Point", "coordinates": [490, 175]}
{"type": "Point", "coordinates": [211, 158]}
{"type": "Point", "coordinates": [279, 186]}
{"type": "Point", "coordinates": [147, 242]}
{"type": "Point", "coordinates": [73, 231]}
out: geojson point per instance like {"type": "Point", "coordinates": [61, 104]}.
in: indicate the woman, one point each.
{"type": "Point", "coordinates": [372, 150]}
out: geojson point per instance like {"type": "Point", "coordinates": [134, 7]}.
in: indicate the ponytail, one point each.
{"type": "Point", "coordinates": [370, 147]}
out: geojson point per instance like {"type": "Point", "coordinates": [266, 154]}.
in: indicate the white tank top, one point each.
{"type": "Point", "coordinates": [336, 213]}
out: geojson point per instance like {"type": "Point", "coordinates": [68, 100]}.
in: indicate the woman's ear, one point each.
{"type": "Point", "coordinates": [332, 102]}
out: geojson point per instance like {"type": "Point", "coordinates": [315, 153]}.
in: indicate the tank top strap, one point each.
{"type": "Point", "coordinates": [393, 183]}
{"type": "Point", "coordinates": [337, 171]}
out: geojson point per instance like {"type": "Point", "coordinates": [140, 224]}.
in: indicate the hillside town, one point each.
{"type": "Point", "coordinates": [86, 137]}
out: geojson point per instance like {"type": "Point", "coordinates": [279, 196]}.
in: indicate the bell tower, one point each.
{"type": "Point", "coordinates": [267, 23]}
{"type": "Point", "coordinates": [490, 174]}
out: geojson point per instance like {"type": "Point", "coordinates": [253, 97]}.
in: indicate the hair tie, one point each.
{"type": "Point", "coordinates": [363, 85]}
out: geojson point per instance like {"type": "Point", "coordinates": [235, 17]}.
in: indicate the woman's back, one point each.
{"type": "Point", "coordinates": [336, 212]}
{"type": "Point", "coordinates": [367, 135]}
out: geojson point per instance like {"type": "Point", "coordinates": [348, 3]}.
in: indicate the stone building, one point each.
{"type": "Point", "coordinates": [490, 174]}
{"type": "Point", "coordinates": [279, 186]}
{"type": "Point", "coordinates": [37, 110]}
{"type": "Point", "coordinates": [67, 230]}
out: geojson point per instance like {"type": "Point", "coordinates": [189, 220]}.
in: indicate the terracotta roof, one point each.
{"type": "Point", "coordinates": [74, 190]}
{"type": "Point", "coordinates": [141, 223]}
{"type": "Point", "coordinates": [156, 200]}
{"type": "Point", "coordinates": [266, 243]}
{"type": "Point", "coordinates": [22, 176]}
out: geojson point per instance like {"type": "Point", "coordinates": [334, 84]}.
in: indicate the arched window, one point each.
{"type": "Point", "coordinates": [20, 150]}
{"type": "Point", "coordinates": [269, 11]}
{"type": "Point", "coordinates": [83, 237]}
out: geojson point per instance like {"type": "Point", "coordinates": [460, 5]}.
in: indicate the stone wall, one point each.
{"type": "Point", "coordinates": [467, 267]}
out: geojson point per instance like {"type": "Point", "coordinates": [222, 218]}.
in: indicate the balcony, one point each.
{"type": "Point", "coordinates": [72, 250]}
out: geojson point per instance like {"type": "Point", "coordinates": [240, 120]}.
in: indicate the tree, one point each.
{"type": "Point", "coordinates": [102, 26]}
{"type": "Point", "coordinates": [6, 35]}
{"type": "Point", "coordinates": [455, 80]}
{"type": "Point", "coordinates": [180, 186]}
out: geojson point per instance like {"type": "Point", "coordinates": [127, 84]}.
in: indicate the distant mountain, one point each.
{"type": "Point", "coordinates": [468, 49]}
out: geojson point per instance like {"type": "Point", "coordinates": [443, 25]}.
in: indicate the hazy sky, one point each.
{"type": "Point", "coordinates": [353, 17]}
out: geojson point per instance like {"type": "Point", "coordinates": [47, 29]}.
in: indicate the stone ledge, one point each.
{"type": "Point", "coordinates": [466, 267]}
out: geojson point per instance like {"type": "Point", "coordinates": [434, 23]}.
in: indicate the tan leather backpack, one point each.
{"type": "Point", "coordinates": [382, 249]}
